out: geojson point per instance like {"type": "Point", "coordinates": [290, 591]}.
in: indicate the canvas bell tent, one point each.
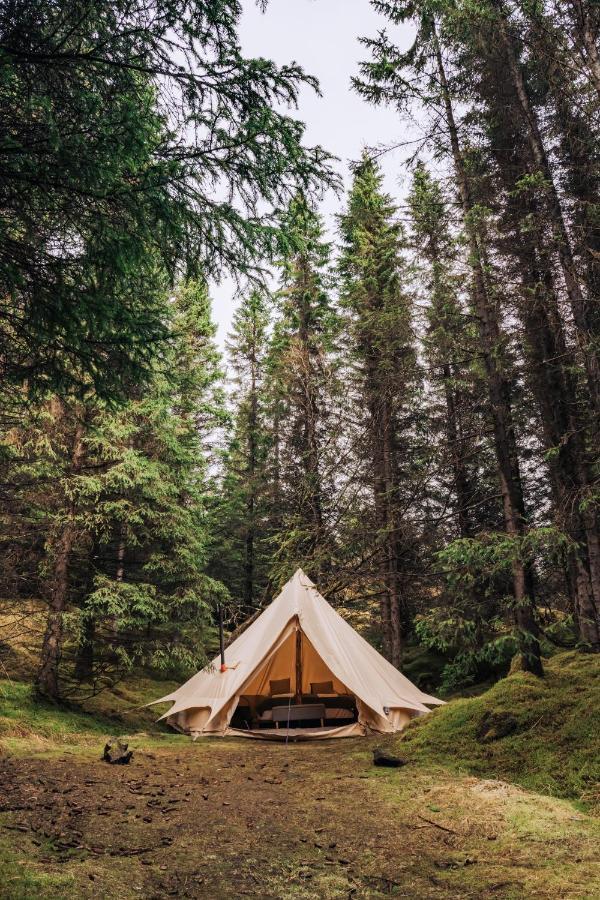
{"type": "Point", "coordinates": [299, 669]}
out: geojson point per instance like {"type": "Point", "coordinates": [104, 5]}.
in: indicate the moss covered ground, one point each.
{"type": "Point", "coordinates": [552, 725]}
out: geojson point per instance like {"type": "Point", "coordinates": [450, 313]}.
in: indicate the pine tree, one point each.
{"type": "Point", "coordinates": [582, 20]}
{"type": "Point", "coordinates": [384, 80]}
{"type": "Point", "coordinates": [525, 242]}
{"type": "Point", "coordinates": [379, 319]}
{"type": "Point", "coordinates": [303, 382]}
{"type": "Point", "coordinates": [242, 556]}
{"type": "Point", "coordinates": [131, 134]}
{"type": "Point", "coordinates": [120, 499]}
{"type": "Point", "coordinates": [449, 344]}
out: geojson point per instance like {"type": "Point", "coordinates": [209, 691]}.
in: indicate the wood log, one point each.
{"type": "Point", "coordinates": [387, 759]}
{"type": "Point", "coordinates": [116, 753]}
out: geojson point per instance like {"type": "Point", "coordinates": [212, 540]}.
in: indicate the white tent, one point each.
{"type": "Point", "coordinates": [298, 658]}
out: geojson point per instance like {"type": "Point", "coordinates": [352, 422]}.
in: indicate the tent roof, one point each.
{"type": "Point", "coordinates": [350, 658]}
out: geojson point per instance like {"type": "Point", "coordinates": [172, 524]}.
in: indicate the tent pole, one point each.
{"type": "Point", "coordinates": [221, 640]}
{"type": "Point", "coordinates": [298, 665]}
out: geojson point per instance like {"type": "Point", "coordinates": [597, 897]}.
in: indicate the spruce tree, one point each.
{"type": "Point", "coordinates": [119, 496]}
{"type": "Point", "coordinates": [133, 134]}
{"type": "Point", "coordinates": [303, 383]}
{"type": "Point", "coordinates": [448, 341]}
{"type": "Point", "coordinates": [242, 513]}
{"type": "Point", "coordinates": [398, 78]}
{"type": "Point", "coordinates": [379, 319]}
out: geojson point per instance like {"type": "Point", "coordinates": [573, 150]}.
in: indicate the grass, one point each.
{"type": "Point", "coordinates": [308, 822]}
{"type": "Point", "coordinates": [28, 723]}
{"type": "Point", "coordinates": [553, 744]}
{"type": "Point", "coordinates": [20, 881]}
{"type": "Point", "coordinates": [497, 837]}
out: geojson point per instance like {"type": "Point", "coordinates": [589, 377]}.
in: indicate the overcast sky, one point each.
{"type": "Point", "coordinates": [322, 35]}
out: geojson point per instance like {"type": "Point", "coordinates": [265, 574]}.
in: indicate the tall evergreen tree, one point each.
{"type": "Point", "coordinates": [131, 132]}
{"type": "Point", "coordinates": [303, 383]}
{"type": "Point", "coordinates": [119, 497]}
{"type": "Point", "coordinates": [448, 342]}
{"type": "Point", "coordinates": [385, 80]}
{"type": "Point", "coordinates": [378, 307]}
{"type": "Point", "coordinates": [242, 551]}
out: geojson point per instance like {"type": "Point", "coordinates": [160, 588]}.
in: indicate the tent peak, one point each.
{"type": "Point", "coordinates": [301, 575]}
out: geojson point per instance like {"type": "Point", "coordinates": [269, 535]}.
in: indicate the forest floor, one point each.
{"type": "Point", "coordinates": [228, 818]}
{"type": "Point", "coordinates": [234, 818]}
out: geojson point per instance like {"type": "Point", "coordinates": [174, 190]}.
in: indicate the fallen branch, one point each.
{"type": "Point", "coordinates": [436, 825]}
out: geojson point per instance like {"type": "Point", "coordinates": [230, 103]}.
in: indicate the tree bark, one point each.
{"type": "Point", "coordinates": [381, 440]}
{"type": "Point", "coordinates": [84, 666]}
{"type": "Point", "coordinates": [311, 501]}
{"type": "Point", "coordinates": [550, 364]}
{"type": "Point", "coordinates": [391, 528]}
{"type": "Point", "coordinates": [555, 395]}
{"type": "Point", "coordinates": [460, 477]}
{"type": "Point", "coordinates": [252, 467]}
{"type": "Point", "coordinates": [585, 37]}
{"type": "Point", "coordinates": [311, 415]}
{"type": "Point", "coordinates": [121, 548]}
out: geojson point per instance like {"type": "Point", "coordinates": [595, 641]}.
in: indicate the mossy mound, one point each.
{"type": "Point", "coordinates": [541, 733]}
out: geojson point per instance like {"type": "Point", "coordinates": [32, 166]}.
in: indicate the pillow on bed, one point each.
{"type": "Point", "coordinates": [321, 687]}
{"type": "Point", "coordinates": [279, 686]}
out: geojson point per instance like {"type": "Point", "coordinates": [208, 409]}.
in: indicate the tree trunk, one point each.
{"type": "Point", "coordinates": [555, 395]}
{"type": "Point", "coordinates": [560, 237]}
{"type": "Point", "coordinates": [121, 548]}
{"type": "Point", "coordinates": [391, 535]}
{"type": "Point", "coordinates": [310, 404]}
{"type": "Point", "coordinates": [251, 497]}
{"type": "Point", "coordinates": [84, 663]}
{"type": "Point", "coordinates": [578, 152]}
{"type": "Point", "coordinates": [48, 671]}
{"type": "Point", "coordinates": [550, 364]}
{"type": "Point", "coordinates": [383, 488]}
{"type": "Point", "coordinates": [585, 37]}
{"type": "Point", "coordinates": [499, 396]}
{"type": "Point", "coordinates": [84, 666]}
{"type": "Point", "coordinates": [459, 472]}
{"type": "Point", "coordinates": [379, 486]}
{"type": "Point", "coordinates": [460, 480]}
{"type": "Point", "coordinates": [589, 612]}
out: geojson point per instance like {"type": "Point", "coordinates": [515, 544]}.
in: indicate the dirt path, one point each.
{"type": "Point", "coordinates": [226, 819]}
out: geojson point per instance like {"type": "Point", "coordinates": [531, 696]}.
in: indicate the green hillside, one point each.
{"type": "Point", "coordinates": [541, 733]}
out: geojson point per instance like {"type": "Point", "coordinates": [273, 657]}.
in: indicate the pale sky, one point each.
{"type": "Point", "coordinates": [322, 36]}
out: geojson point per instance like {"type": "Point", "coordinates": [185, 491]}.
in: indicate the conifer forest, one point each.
{"type": "Point", "coordinates": [406, 405]}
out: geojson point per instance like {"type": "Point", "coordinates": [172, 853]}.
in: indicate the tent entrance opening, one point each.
{"type": "Point", "coordinates": [294, 689]}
